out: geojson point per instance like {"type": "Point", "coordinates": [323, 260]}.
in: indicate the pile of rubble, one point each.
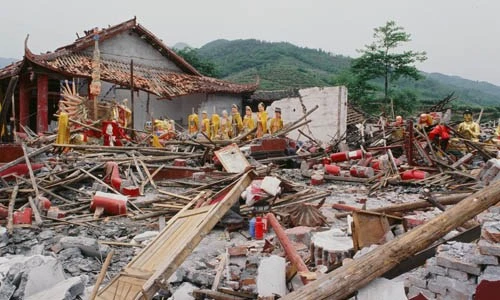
{"type": "Point", "coordinates": [267, 218]}
{"type": "Point", "coordinates": [458, 268]}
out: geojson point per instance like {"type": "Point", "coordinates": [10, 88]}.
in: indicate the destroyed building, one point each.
{"type": "Point", "coordinates": [131, 57]}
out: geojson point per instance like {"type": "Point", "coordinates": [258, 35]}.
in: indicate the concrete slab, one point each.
{"type": "Point", "coordinates": [184, 292]}
{"type": "Point", "coordinates": [331, 241]}
{"type": "Point", "coordinates": [43, 277]}
{"type": "Point", "coordinates": [68, 289]}
{"type": "Point", "coordinates": [382, 288]}
{"type": "Point", "coordinates": [271, 276]}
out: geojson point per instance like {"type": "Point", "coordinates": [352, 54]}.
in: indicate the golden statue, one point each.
{"type": "Point", "coordinates": [248, 121]}
{"type": "Point", "coordinates": [215, 123]}
{"type": "Point", "coordinates": [193, 121]}
{"type": "Point", "coordinates": [225, 126]}
{"type": "Point", "coordinates": [261, 120]}
{"type": "Point", "coordinates": [205, 123]}
{"type": "Point", "coordinates": [236, 122]}
{"type": "Point", "coordinates": [468, 128]}
{"type": "Point", "coordinates": [276, 122]}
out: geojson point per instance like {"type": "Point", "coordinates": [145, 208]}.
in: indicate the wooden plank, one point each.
{"type": "Point", "coordinates": [219, 272]}
{"type": "Point", "coordinates": [33, 180]}
{"type": "Point", "coordinates": [10, 227]}
{"type": "Point", "coordinates": [36, 212]}
{"type": "Point", "coordinates": [172, 246]}
{"type": "Point", "coordinates": [101, 274]}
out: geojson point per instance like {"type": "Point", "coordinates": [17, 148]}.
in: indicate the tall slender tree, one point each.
{"type": "Point", "coordinates": [380, 59]}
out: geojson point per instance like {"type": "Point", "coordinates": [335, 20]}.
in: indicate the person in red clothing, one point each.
{"type": "Point", "coordinates": [440, 135]}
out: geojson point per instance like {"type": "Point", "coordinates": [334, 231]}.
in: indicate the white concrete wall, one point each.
{"type": "Point", "coordinates": [328, 121]}
{"type": "Point", "coordinates": [129, 45]}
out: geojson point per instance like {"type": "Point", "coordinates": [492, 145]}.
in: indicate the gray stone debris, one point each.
{"type": "Point", "coordinates": [68, 289]}
{"type": "Point", "coordinates": [183, 292]}
{"type": "Point", "coordinates": [88, 246]}
{"type": "Point", "coordinates": [43, 276]}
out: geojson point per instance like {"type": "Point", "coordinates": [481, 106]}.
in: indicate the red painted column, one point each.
{"type": "Point", "coordinates": [24, 104]}
{"type": "Point", "coordinates": [42, 103]}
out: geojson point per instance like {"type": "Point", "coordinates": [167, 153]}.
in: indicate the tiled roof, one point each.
{"type": "Point", "coordinates": [11, 70]}
{"type": "Point", "coordinates": [165, 84]}
{"type": "Point", "coordinates": [107, 33]}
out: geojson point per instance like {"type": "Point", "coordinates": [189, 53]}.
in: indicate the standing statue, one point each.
{"type": "Point", "coordinates": [248, 122]}
{"type": "Point", "coordinates": [468, 128]}
{"type": "Point", "coordinates": [193, 121]}
{"type": "Point", "coordinates": [261, 120]}
{"type": "Point", "coordinates": [236, 122]}
{"type": "Point", "coordinates": [276, 122]}
{"type": "Point", "coordinates": [205, 123]}
{"type": "Point", "coordinates": [225, 126]}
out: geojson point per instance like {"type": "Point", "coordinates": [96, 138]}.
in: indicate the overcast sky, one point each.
{"type": "Point", "coordinates": [461, 37]}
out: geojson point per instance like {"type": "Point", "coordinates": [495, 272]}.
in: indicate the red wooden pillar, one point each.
{"type": "Point", "coordinates": [42, 103]}
{"type": "Point", "coordinates": [24, 104]}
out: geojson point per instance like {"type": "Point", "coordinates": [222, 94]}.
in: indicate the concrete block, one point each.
{"type": "Point", "coordinates": [184, 292]}
{"type": "Point", "coordinates": [435, 287]}
{"type": "Point", "coordinates": [414, 291]}
{"type": "Point", "coordinates": [482, 259]}
{"type": "Point", "coordinates": [415, 280]}
{"type": "Point", "coordinates": [382, 288]}
{"type": "Point", "coordinates": [491, 273]}
{"type": "Point", "coordinates": [491, 231]}
{"type": "Point", "coordinates": [43, 277]}
{"type": "Point", "coordinates": [88, 246]}
{"type": "Point", "coordinates": [459, 275]}
{"type": "Point", "coordinates": [451, 262]}
{"type": "Point", "coordinates": [456, 286]}
{"type": "Point", "coordinates": [488, 248]}
{"type": "Point", "coordinates": [271, 276]}
{"type": "Point", "coordinates": [436, 270]}
{"type": "Point", "coordinates": [68, 289]}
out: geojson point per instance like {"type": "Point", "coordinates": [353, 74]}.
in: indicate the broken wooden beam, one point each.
{"type": "Point", "coordinates": [102, 273]}
{"type": "Point", "coordinates": [10, 216]}
{"type": "Point", "coordinates": [404, 207]}
{"type": "Point", "coordinates": [290, 251]}
{"type": "Point", "coordinates": [347, 279]}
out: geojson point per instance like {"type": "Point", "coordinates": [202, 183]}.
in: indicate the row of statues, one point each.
{"type": "Point", "coordinates": [227, 127]}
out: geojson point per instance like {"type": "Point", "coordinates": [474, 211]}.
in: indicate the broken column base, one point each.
{"type": "Point", "coordinates": [330, 248]}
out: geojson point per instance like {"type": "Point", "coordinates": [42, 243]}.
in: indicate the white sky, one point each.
{"type": "Point", "coordinates": [461, 37]}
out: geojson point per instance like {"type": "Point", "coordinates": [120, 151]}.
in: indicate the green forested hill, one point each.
{"type": "Point", "coordinates": [278, 65]}
{"type": "Point", "coordinates": [284, 65]}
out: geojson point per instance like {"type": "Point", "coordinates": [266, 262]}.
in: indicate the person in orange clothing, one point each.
{"type": "Point", "coordinates": [440, 135]}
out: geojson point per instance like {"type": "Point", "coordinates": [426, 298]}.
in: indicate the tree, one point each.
{"type": "Point", "coordinates": [203, 66]}
{"type": "Point", "coordinates": [380, 60]}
